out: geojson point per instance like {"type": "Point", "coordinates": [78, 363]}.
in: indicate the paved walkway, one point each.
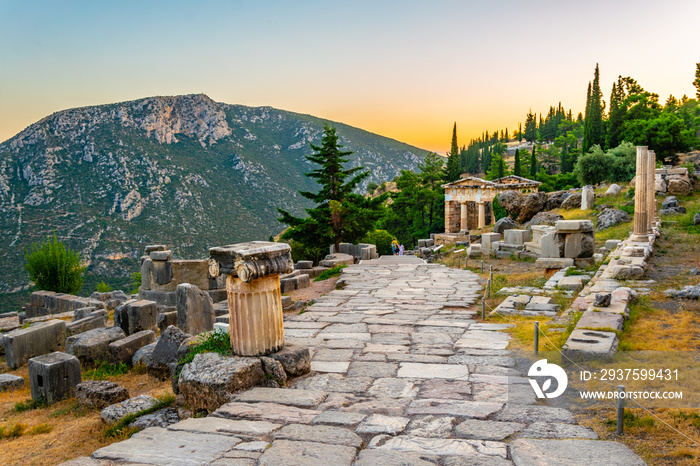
{"type": "Point", "coordinates": [402, 374]}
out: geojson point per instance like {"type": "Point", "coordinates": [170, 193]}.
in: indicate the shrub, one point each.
{"type": "Point", "coordinates": [106, 369]}
{"type": "Point", "coordinates": [135, 282]}
{"type": "Point", "coordinates": [326, 274]}
{"type": "Point", "coordinates": [214, 342]}
{"type": "Point", "coordinates": [381, 239]}
{"type": "Point", "coordinates": [372, 187]}
{"type": "Point", "coordinates": [499, 211]}
{"type": "Point", "coordinates": [102, 287]}
{"type": "Point", "coordinates": [54, 267]}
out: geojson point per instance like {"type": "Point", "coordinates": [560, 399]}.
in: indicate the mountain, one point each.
{"type": "Point", "coordinates": [183, 171]}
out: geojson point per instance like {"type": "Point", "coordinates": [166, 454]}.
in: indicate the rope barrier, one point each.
{"type": "Point", "coordinates": [581, 368]}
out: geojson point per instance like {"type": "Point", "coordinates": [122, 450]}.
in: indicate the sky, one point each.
{"type": "Point", "coordinates": [404, 69]}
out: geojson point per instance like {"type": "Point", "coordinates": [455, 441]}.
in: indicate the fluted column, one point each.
{"type": "Point", "coordinates": [255, 315]}
{"type": "Point", "coordinates": [640, 195]}
{"type": "Point", "coordinates": [463, 216]}
{"type": "Point", "coordinates": [651, 190]}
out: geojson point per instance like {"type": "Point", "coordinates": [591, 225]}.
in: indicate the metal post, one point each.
{"type": "Point", "coordinates": [483, 308]}
{"type": "Point", "coordinates": [491, 272]}
{"type": "Point", "coordinates": [537, 337]}
{"type": "Point", "coordinates": [482, 266]}
{"type": "Point", "coordinates": [466, 260]}
{"type": "Point", "coordinates": [620, 409]}
{"type": "Point", "coordinates": [488, 285]}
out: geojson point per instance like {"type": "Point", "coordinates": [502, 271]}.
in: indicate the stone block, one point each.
{"type": "Point", "coordinates": [38, 298]}
{"type": "Point", "coordinates": [221, 327]}
{"type": "Point", "coordinates": [9, 382]}
{"type": "Point", "coordinates": [574, 226]}
{"type": "Point", "coordinates": [166, 319]}
{"type": "Point", "coordinates": [210, 379]}
{"type": "Point", "coordinates": [582, 343]}
{"type": "Point", "coordinates": [612, 244]}
{"type": "Point", "coordinates": [554, 263]}
{"type": "Point", "coordinates": [573, 282]}
{"type": "Point", "coordinates": [161, 255]}
{"type": "Point", "coordinates": [36, 340]}
{"type": "Point", "coordinates": [487, 239]}
{"type": "Point", "coordinates": [600, 320]}
{"type": "Point", "coordinates": [334, 260]}
{"type": "Point", "coordinates": [613, 190]}
{"type": "Point", "coordinates": [304, 265]}
{"type": "Point", "coordinates": [54, 376]}
{"type": "Point", "coordinates": [116, 412]}
{"type": "Point", "coordinates": [303, 281]}
{"type": "Point", "coordinates": [154, 247]}
{"type": "Point", "coordinates": [526, 451]}
{"type": "Point", "coordinates": [140, 315]}
{"type": "Point", "coordinates": [195, 310]}
{"type": "Point", "coordinates": [143, 356]}
{"type": "Point", "coordinates": [85, 324]}
{"type": "Point", "coordinates": [100, 394]}
{"type": "Point", "coordinates": [122, 351]}
{"type": "Point", "coordinates": [295, 360]}
{"type": "Point", "coordinates": [93, 346]}
{"type": "Point", "coordinates": [625, 272]}
{"type": "Point", "coordinates": [552, 245]}
{"type": "Point", "coordinates": [579, 245]}
{"type": "Point", "coordinates": [474, 251]}
{"type": "Point", "coordinates": [519, 237]}
{"type": "Point", "coordinates": [162, 272]}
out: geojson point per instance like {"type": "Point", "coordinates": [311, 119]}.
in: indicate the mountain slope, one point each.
{"type": "Point", "coordinates": [184, 171]}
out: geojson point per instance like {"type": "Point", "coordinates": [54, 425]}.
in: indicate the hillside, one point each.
{"type": "Point", "coordinates": [184, 171]}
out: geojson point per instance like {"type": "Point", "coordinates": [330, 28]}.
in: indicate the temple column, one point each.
{"type": "Point", "coordinates": [640, 195]}
{"type": "Point", "coordinates": [651, 190]}
{"type": "Point", "coordinates": [493, 215]}
{"type": "Point", "coordinates": [463, 216]}
{"type": "Point", "coordinates": [482, 215]}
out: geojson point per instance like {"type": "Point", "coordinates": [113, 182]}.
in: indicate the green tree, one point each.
{"type": "Point", "coordinates": [340, 215]}
{"type": "Point", "coordinates": [516, 164]}
{"type": "Point", "coordinates": [533, 163]}
{"type": "Point", "coordinates": [530, 127]}
{"type": "Point", "coordinates": [54, 267]}
{"type": "Point", "coordinates": [452, 167]}
{"type": "Point", "coordinates": [593, 129]}
{"type": "Point", "coordinates": [696, 82]}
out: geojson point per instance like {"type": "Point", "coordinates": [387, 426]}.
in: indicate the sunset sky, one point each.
{"type": "Point", "coordinates": [403, 69]}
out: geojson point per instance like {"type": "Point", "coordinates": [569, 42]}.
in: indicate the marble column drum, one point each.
{"type": "Point", "coordinates": [255, 315]}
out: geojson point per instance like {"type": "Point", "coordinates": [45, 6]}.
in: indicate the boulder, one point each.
{"type": "Point", "coordinates": [92, 346]}
{"type": "Point", "coordinates": [530, 205]}
{"type": "Point", "coordinates": [211, 378]}
{"type": "Point", "coordinates": [611, 217]}
{"type": "Point", "coordinates": [100, 394]}
{"type": "Point", "coordinates": [579, 245]}
{"type": "Point", "coordinates": [165, 352]}
{"type": "Point", "coordinates": [116, 412]}
{"type": "Point", "coordinates": [660, 185]}
{"type": "Point", "coordinates": [554, 200]}
{"type": "Point", "coordinates": [143, 356]}
{"type": "Point", "coordinates": [510, 200]}
{"type": "Point", "coordinates": [602, 300]}
{"type": "Point", "coordinates": [679, 184]}
{"type": "Point", "coordinates": [83, 312]}
{"type": "Point", "coordinates": [10, 382]}
{"type": "Point", "coordinates": [161, 418]}
{"type": "Point", "coordinates": [195, 309]}
{"type": "Point", "coordinates": [274, 372]}
{"type": "Point", "coordinates": [672, 211]}
{"type": "Point", "coordinates": [334, 260]}
{"type": "Point", "coordinates": [670, 201]}
{"type": "Point", "coordinates": [296, 360]}
{"type": "Point", "coordinates": [613, 190]}
{"type": "Point", "coordinates": [545, 218]}
{"type": "Point", "coordinates": [506, 223]}
{"type": "Point", "coordinates": [166, 319]}
{"type": "Point", "coordinates": [572, 202]}
{"type": "Point", "coordinates": [696, 218]}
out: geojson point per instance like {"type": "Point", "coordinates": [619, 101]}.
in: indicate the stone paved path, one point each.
{"type": "Point", "coordinates": [402, 374]}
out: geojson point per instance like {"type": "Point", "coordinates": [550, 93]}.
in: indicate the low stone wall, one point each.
{"type": "Point", "coordinates": [43, 303]}
{"type": "Point", "coordinates": [362, 251]}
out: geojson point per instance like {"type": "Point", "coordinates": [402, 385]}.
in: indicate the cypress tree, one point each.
{"type": "Point", "coordinates": [516, 164]}
{"type": "Point", "coordinates": [452, 166]}
{"type": "Point", "coordinates": [530, 127]}
{"type": "Point", "coordinates": [696, 83]}
{"type": "Point", "coordinates": [593, 129]}
{"type": "Point", "coordinates": [533, 163]}
{"type": "Point", "coordinates": [520, 132]}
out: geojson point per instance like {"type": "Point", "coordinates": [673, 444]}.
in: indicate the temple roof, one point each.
{"type": "Point", "coordinates": [510, 181]}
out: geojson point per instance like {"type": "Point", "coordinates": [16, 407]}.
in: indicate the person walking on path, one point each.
{"type": "Point", "coordinates": [401, 250]}
{"type": "Point", "coordinates": [394, 246]}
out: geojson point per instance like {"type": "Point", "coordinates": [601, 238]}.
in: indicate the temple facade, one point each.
{"type": "Point", "coordinates": [468, 200]}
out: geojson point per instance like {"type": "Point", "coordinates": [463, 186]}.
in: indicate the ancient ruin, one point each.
{"type": "Point", "coordinates": [468, 201]}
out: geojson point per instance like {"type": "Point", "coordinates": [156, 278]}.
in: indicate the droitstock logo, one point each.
{"type": "Point", "coordinates": [542, 369]}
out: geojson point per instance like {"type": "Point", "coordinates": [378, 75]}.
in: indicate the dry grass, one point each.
{"type": "Point", "coordinates": [72, 431]}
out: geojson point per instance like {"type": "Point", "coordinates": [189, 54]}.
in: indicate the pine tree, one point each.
{"type": "Point", "coordinates": [452, 166]}
{"type": "Point", "coordinates": [516, 164]}
{"type": "Point", "coordinates": [533, 163]}
{"type": "Point", "coordinates": [616, 116]}
{"type": "Point", "coordinates": [340, 215]}
{"type": "Point", "coordinates": [696, 83]}
{"type": "Point", "coordinates": [530, 127]}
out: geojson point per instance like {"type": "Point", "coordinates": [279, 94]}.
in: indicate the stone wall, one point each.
{"type": "Point", "coordinates": [44, 303]}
